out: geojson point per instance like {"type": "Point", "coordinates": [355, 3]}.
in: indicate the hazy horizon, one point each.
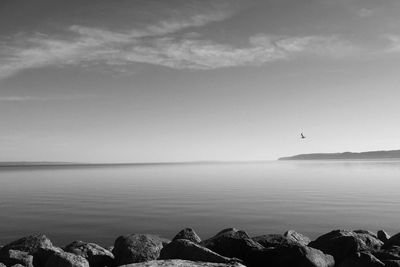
{"type": "Point", "coordinates": [173, 81]}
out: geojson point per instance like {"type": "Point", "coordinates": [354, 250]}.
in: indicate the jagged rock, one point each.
{"type": "Point", "coordinates": [12, 257]}
{"type": "Point", "coordinates": [136, 248]}
{"type": "Point", "coordinates": [181, 263]}
{"type": "Point", "coordinates": [189, 234]}
{"type": "Point", "coordinates": [361, 259]}
{"type": "Point", "coordinates": [39, 246]}
{"type": "Point", "coordinates": [232, 243]}
{"type": "Point", "coordinates": [393, 241]}
{"type": "Point", "coordinates": [341, 243]}
{"type": "Point", "coordinates": [289, 256]}
{"type": "Point", "coordinates": [96, 255]}
{"type": "Point", "coordinates": [290, 237]}
{"type": "Point", "coordinates": [367, 232]}
{"type": "Point", "coordinates": [187, 250]}
{"type": "Point", "coordinates": [66, 259]}
{"type": "Point", "coordinates": [383, 236]}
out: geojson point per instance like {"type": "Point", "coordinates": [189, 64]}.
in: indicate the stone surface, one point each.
{"type": "Point", "coordinates": [341, 243]}
{"type": "Point", "coordinates": [383, 236]}
{"type": "Point", "coordinates": [181, 263]}
{"type": "Point", "coordinates": [187, 250]}
{"type": "Point", "coordinates": [232, 243]}
{"type": "Point", "coordinates": [2, 265]}
{"type": "Point", "coordinates": [189, 234]}
{"type": "Point", "coordinates": [392, 263]}
{"type": "Point", "coordinates": [13, 257]}
{"type": "Point", "coordinates": [96, 255]}
{"type": "Point", "coordinates": [290, 256]}
{"type": "Point", "coordinates": [393, 241]}
{"type": "Point", "coordinates": [361, 259]}
{"type": "Point", "coordinates": [290, 237]}
{"type": "Point", "coordinates": [38, 245]}
{"type": "Point", "coordinates": [137, 248]}
{"type": "Point", "coordinates": [66, 259]}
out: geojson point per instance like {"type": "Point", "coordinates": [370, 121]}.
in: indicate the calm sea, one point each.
{"type": "Point", "coordinates": [97, 204]}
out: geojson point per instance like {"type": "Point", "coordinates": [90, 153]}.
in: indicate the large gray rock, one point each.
{"type": "Point", "coordinates": [290, 256]}
{"type": "Point", "coordinates": [181, 263]}
{"type": "Point", "coordinates": [188, 234]}
{"type": "Point", "coordinates": [13, 257]}
{"type": "Point", "coordinates": [232, 243]}
{"type": "Point", "coordinates": [187, 250]}
{"type": "Point", "coordinates": [2, 265]}
{"type": "Point", "coordinates": [96, 255]}
{"type": "Point", "coordinates": [137, 248]}
{"type": "Point", "coordinates": [290, 237]}
{"type": "Point", "coordinates": [383, 236]}
{"type": "Point", "coordinates": [341, 243]}
{"type": "Point", "coordinates": [361, 259]}
{"type": "Point", "coordinates": [38, 245]}
{"type": "Point", "coordinates": [66, 259]}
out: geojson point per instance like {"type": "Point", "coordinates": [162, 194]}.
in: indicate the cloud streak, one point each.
{"type": "Point", "coordinates": [159, 44]}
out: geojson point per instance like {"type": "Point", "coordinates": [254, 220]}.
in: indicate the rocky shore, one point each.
{"type": "Point", "coordinates": [228, 248]}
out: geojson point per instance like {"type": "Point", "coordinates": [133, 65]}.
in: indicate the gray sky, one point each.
{"type": "Point", "coordinates": [147, 80]}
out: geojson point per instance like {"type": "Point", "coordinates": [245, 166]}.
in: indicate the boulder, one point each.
{"type": "Point", "coordinates": [96, 255]}
{"type": "Point", "coordinates": [39, 246]}
{"type": "Point", "coordinates": [187, 250]}
{"type": "Point", "coordinates": [137, 248]}
{"type": "Point", "coordinates": [232, 243]}
{"type": "Point", "coordinates": [341, 243]}
{"type": "Point", "coordinates": [289, 256]}
{"type": "Point", "coordinates": [12, 257]}
{"type": "Point", "coordinates": [66, 259]}
{"type": "Point", "coordinates": [367, 232]}
{"type": "Point", "coordinates": [290, 237]}
{"type": "Point", "coordinates": [188, 234]}
{"type": "Point", "coordinates": [361, 259]}
{"type": "Point", "coordinates": [393, 241]}
{"type": "Point", "coordinates": [2, 265]}
{"type": "Point", "coordinates": [181, 263]}
{"type": "Point", "coordinates": [383, 236]}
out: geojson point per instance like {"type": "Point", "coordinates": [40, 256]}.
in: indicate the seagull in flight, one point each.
{"type": "Point", "coordinates": [302, 136]}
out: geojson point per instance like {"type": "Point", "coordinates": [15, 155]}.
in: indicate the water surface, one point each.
{"type": "Point", "coordinates": [99, 203]}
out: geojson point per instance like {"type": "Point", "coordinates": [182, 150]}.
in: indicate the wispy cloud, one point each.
{"type": "Point", "coordinates": [394, 43]}
{"type": "Point", "coordinates": [159, 44]}
{"type": "Point", "coordinates": [365, 12]}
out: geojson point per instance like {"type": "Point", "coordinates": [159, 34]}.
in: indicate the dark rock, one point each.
{"type": "Point", "coordinates": [12, 257]}
{"type": "Point", "coordinates": [361, 259]}
{"type": "Point", "coordinates": [66, 259]}
{"type": "Point", "coordinates": [137, 248]}
{"type": "Point", "coordinates": [393, 241]}
{"type": "Point", "coordinates": [290, 237]}
{"type": "Point", "coordinates": [187, 250]}
{"type": "Point", "coordinates": [96, 255]}
{"type": "Point", "coordinates": [290, 256]}
{"type": "Point", "coordinates": [232, 243]}
{"type": "Point", "coordinates": [188, 234]}
{"type": "Point", "coordinates": [181, 263]}
{"type": "Point", "coordinates": [392, 263]}
{"type": "Point", "coordinates": [39, 246]}
{"type": "Point", "coordinates": [383, 236]}
{"type": "Point", "coordinates": [340, 243]}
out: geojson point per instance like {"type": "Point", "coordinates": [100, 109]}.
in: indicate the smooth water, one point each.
{"type": "Point", "coordinates": [97, 204]}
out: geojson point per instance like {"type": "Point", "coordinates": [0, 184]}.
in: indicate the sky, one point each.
{"type": "Point", "coordinates": [197, 80]}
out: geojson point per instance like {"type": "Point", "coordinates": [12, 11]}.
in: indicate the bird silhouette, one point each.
{"type": "Point", "coordinates": [302, 136]}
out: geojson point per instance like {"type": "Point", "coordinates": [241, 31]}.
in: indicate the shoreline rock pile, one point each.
{"type": "Point", "coordinates": [228, 248]}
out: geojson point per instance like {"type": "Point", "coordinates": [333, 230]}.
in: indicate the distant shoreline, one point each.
{"type": "Point", "coordinates": [369, 155]}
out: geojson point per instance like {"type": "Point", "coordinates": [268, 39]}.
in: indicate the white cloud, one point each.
{"type": "Point", "coordinates": [159, 44]}
{"type": "Point", "coordinates": [365, 12]}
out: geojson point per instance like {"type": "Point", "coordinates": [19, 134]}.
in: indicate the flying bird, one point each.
{"type": "Point", "coordinates": [302, 136]}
